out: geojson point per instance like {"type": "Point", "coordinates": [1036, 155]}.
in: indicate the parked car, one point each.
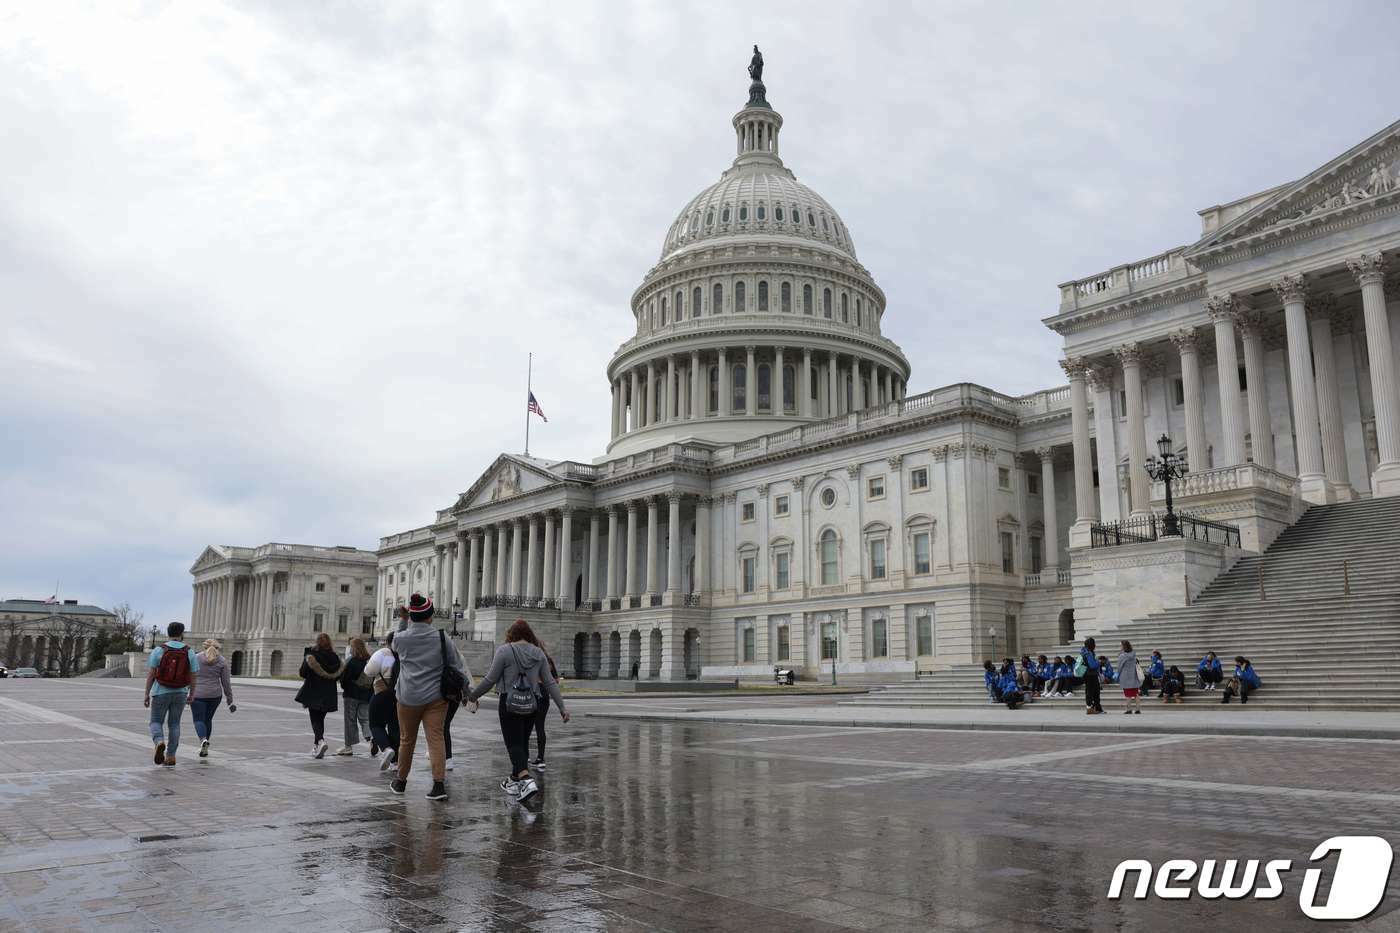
{"type": "Point", "coordinates": [4, 671]}
{"type": "Point", "coordinates": [26, 672]}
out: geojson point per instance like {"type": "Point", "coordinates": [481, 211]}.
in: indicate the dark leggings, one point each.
{"type": "Point", "coordinates": [447, 728]}
{"type": "Point", "coordinates": [318, 724]}
{"type": "Point", "coordinates": [202, 712]}
{"type": "Point", "coordinates": [384, 720]}
{"type": "Point", "coordinates": [1091, 690]}
{"type": "Point", "coordinates": [540, 715]}
{"type": "Point", "coordinates": [515, 729]}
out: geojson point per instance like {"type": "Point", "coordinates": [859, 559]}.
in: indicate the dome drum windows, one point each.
{"type": "Point", "coordinates": [663, 311]}
{"type": "Point", "coordinates": [765, 388]}
{"type": "Point", "coordinates": [740, 298]}
{"type": "Point", "coordinates": [778, 213]}
{"type": "Point", "coordinates": [724, 215]}
{"type": "Point", "coordinates": [680, 296]}
{"type": "Point", "coordinates": [785, 297]}
{"type": "Point", "coordinates": [695, 298]}
{"type": "Point", "coordinates": [826, 303]}
{"type": "Point", "coordinates": [739, 377]}
{"type": "Point", "coordinates": [709, 218]}
{"type": "Point", "coordinates": [845, 308]}
{"type": "Point", "coordinates": [806, 299]}
{"type": "Point", "coordinates": [762, 296]}
{"type": "Point", "coordinates": [717, 302]}
{"type": "Point", "coordinates": [744, 212]}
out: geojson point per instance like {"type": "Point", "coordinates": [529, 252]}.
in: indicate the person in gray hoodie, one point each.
{"type": "Point", "coordinates": [423, 652]}
{"type": "Point", "coordinates": [211, 684]}
{"type": "Point", "coordinates": [519, 658]}
{"type": "Point", "coordinates": [1130, 679]}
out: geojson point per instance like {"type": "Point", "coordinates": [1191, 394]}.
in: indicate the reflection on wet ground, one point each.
{"type": "Point", "coordinates": [646, 826]}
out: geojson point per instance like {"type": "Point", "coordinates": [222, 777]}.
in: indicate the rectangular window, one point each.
{"type": "Point", "coordinates": [746, 512]}
{"type": "Point", "coordinates": [403, 576]}
{"type": "Point", "coordinates": [875, 487]}
{"type": "Point", "coordinates": [748, 566]}
{"type": "Point", "coordinates": [369, 589]}
{"type": "Point", "coordinates": [1008, 553]}
{"type": "Point", "coordinates": [780, 505]}
{"type": "Point", "coordinates": [1033, 484]}
{"type": "Point", "coordinates": [1178, 393]}
{"type": "Point", "coordinates": [1035, 554]}
{"type": "Point", "coordinates": [749, 652]}
{"type": "Point", "coordinates": [877, 560]}
{"type": "Point", "coordinates": [918, 479]}
{"type": "Point", "coordinates": [320, 587]}
{"type": "Point", "coordinates": [1003, 478]}
{"type": "Point", "coordinates": [828, 641]}
{"type": "Point", "coordinates": [781, 565]}
{"type": "Point", "coordinates": [879, 639]}
{"type": "Point", "coordinates": [318, 619]}
{"type": "Point", "coordinates": [784, 643]}
{"type": "Point", "coordinates": [922, 561]}
{"type": "Point", "coordinates": [1122, 403]}
{"type": "Point", "coordinates": [923, 631]}
{"type": "Point", "coordinates": [366, 625]}
{"type": "Point", "coordinates": [345, 588]}
{"type": "Point", "coordinates": [1244, 382]}
{"type": "Point", "coordinates": [342, 623]}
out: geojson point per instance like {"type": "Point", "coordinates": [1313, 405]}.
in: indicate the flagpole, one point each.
{"type": "Point", "coordinates": [529, 373]}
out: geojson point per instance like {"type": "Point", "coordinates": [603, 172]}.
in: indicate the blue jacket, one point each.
{"type": "Point", "coordinates": [1045, 671]}
{"type": "Point", "coordinates": [1108, 673]}
{"type": "Point", "coordinates": [1156, 667]}
{"type": "Point", "coordinates": [1213, 665]}
{"type": "Point", "coordinates": [1091, 660]}
{"type": "Point", "coordinates": [1008, 684]}
{"type": "Point", "coordinates": [1247, 675]}
{"type": "Point", "coordinates": [1064, 670]}
{"type": "Point", "coordinates": [989, 679]}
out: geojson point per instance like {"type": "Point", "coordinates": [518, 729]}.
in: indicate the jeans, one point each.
{"type": "Point", "coordinates": [541, 713]}
{"type": "Point", "coordinates": [167, 708]}
{"type": "Point", "coordinates": [384, 720]}
{"type": "Point", "coordinates": [202, 711]}
{"type": "Point", "coordinates": [356, 720]}
{"type": "Point", "coordinates": [515, 729]}
{"type": "Point", "coordinates": [431, 716]}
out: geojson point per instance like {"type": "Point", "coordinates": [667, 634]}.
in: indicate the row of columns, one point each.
{"type": "Point", "coordinates": [223, 605]}
{"type": "Point", "coordinates": [683, 395]}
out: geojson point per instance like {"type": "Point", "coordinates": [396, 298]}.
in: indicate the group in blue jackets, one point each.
{"type": "Point", "coordinates": [1002, 685]}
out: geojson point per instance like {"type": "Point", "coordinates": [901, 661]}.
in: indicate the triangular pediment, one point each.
{"type": "Point", "coordinates": [509, 476]}
{"type": "Point", "coordinates": [210, 556]}
{"type": "Point", "coordinates": [1363, 177]}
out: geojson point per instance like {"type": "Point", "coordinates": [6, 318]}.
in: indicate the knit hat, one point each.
{"type": "Point", "coordinates": [420, 608]}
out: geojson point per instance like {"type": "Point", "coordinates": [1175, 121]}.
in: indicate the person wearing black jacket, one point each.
{"type": "Point", "coordinates": [320, 667]}
{"type": "Point", "coordinates": [357, 694]}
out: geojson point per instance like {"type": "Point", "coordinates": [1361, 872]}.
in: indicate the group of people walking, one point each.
{"type": "Point", "coordinates": [1057, 678]}
{"type": "Point", "coordinates": [415, 683]}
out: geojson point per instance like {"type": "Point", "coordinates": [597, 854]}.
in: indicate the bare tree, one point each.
{"type": "Point", "coordinates": [125, 633]}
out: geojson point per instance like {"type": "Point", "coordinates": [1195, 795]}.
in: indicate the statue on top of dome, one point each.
{"type": "Point", "coordinates": [756, 66]}
{"type": "Point", "coordinates": [757, 92]}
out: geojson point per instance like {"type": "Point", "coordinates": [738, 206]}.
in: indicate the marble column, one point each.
{"type": "Point", "coordinates": [750, 382]}
{"type": "Point", "coordinates": [566, 558]}
{"type": "Point", "coordinates": [1222, 310]}
{"type": "Point", "coordinates": [775, 384]}
{"type": "Point", "coordinates": [593, 532]}
{"type": "Point", "coordinates": [857, 386]}
{"type": "Point", "coordinates": [459, 572]}
{"type": "Point", "coordinates": [549, 586]}
{"type": "Point", "coordinates": [672, 387]}
{"type": "Point", "coordinates": [502, 558]}
{"type": "Point", "coordinates": [1261, 431]}
{"type": "Point", "coordinates": [697, 404]}
{"type": "Point", "coordinates": [833, 381]}
{"type": "Point", "coordinates": [1369, 269]}
{"type": "Point", "coordinates": [702, 545]}
{"type": "Point", "coordinates": [804, 387]}
{"type": "Point", "coordinates": [889, 385]}
{"type": "Point", "coordinates": [652, 539]}
{"type": "Point", "coordinates": [673, 556]}
{"type": "Point", "coordinates": [612, 553]}
{"type": "Point", "coordinates": [725, 384]}
{"type": "Point", "coordinates": [1100, 382]}
{"type": "Point", "coordinates": [1050, 544]}
{"type": "Point", "coordinates": [534, 583]}
{"type": "Point", "coordinates": [473, 570]}
{"type": "Point", "coordinates": [440, 572]}
{"type": "Point", "coordinates": [651, 406]}
{"type": "Point", "coordinates": [1312, 480]}
{"type": "Point", "coordinates": [634, 404]}
{"type": "Point", "coordinates": [630, 571]}
{"type": "Point", "coordinates": [1130, 356]}
{"type": "Point", "coordinates": [1188, 348]}
{"type": "Point", "coordinates": [1321, 310]}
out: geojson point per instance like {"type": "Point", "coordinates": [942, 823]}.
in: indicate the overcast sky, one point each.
{"type": "Point", "coordinates": [270, 272]}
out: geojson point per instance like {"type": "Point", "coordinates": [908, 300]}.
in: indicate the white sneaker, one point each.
{"type": "Point", "coordinates": [388, 759]}
{"type": "Point", "coordinates": [344, 750]}
{"type": "Point", "coordinates": [449, 764]}
{"type": "Point", "coordinates": [512, 788]}
{"type": "Point", "coordinates": [319, 749]}
{"type": "Point", "coordinates": [527, 788]}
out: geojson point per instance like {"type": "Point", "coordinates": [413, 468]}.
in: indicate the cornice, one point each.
{"type": "Point", "coordinates": [1181, 291]}
{"type": "Point", "coordinates": [1301, 230]}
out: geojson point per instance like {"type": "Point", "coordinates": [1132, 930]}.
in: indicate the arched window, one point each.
{"type": "Point", "coordinates": [828, 557]}
{"type": "Point", "coordinates": [695, 298]}
{"type": "Point", "coordinates": [785, 296]}
{"type": "Point", "coordinates": [763, 296]}
{"type": "Point", "coordinates": [762, 211]}
{"type": "Point", "coordinates": [739, 387]}
{"type": "Point", "coordinates": [778, 213]}
{"type": "Point", "coordinates": [695, 223]}
{"type": "Point", "coordinates": [717, 301]}
{"type": "Point", "coordinates": [826, 303]}
{"type": "Point", "coordinates": [663, 311]}
{"type": "Point", "coordinates": [845, 308]}
{"type": "Point", "coordinates": [710, 217]}
{"type": "Point", "coordinates": [724, 215]}
{"type": "Point", "coordinates": [860, 317]}
{"type": "Point", "coordinates": [743, 212]}
{"type": "Point", "coordinates": [806, 299]}
{"type": "Point", "coordinates": [765, 387]}
{"type": "Point", "coordinates": [811, 219]}
{"type": "Point", "coordinates": [825, 229]}
{"type": "Point", "coordinates": [680, 310]}
{"type": "Point", "coordinates": [740, 303]}
{"type": "Point", "coordinates": [789, 384]}
{"type": "Point", "coordinates": [714, 388]}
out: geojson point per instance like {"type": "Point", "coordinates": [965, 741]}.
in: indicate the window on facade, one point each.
{"type": "Point", "coordinates": [826, 303]}
{"type": "Point", "coordinates": [1008, 553]}
{"type": "Point", "coordinates": [746, 512]}
{"type": "Point", "coordinates": [714, 388]}
{"type": "Point", "coordinates": [403, 576]}
{"type": "Point", "coordinates": [782, 565]}
{"type": "Point", "coordinates": [1178, 393]}
{"type": "Point", "coordinates": [875, 487]}
{"type": "Point", "coordinates": [318, 619]}
{"type": "Point", "coordinates": [740, 387]}
{"type": "Point", "coordinates": [918, 479]}
{"type": "Point", "coordinates": [710, 217]}
{"type": "Point", "coordinates": [695, 297]}
{"type": "Point", "coordinates": [860, 317]}
{"type": "Point", "coordinates": [923, 635]}
{"type": "Point", "coordinates": [367, 625]}
{"type": "Point", "coordinates": [749, 565]}
{"type": "Point", "coordinates": [1033, 484]}
{"type": "Point", "coordinates": [345, 588]}
{"type": "Point", "coordinates": [748, 646]}
{"type": "Point", "coordinates": [778, 213]}
{"type": "Point", "coordinates": [1003, 477]}
{"type": "Point", "coordinates": [1122, 403]}
{"type": "Point", "coordinates": [877, 559]}
{"type": "Point", "coordinates": [320, 587]}
{"type": "Point", "coordinates": [922, 562]}
{"type": "Point", "coordinates": [765, 387]}
{"type": "Point", "coordinates": [784, 631]}
{"type": "Point", "coordinates": [1035, 554]}
{"type": "Point", "coordinates": [724, 215]}
{"type": "Point", "coordinates": [828, 555]}
{"type": "Point", "coordinates": [828, 641]}
{"type": "Point", "coordinates": [879, 638]}
{"type": "Point", "coordinates": [811, 219]}
{"type": "Point", "coordinates": [743, 212]}
{"type": "Point", "coordinates": [663, 312]}
{"type": "Point", "coordinates": [342, 623]}
{"type": "Point", "coordinates": [780, 505]}
{"type": "Point", "coordinates": [680, 296]}
{"type": "Point", "coordinates": [369, 590]}
{"type": "Point", "coordinates": [845, 308]}
{"type": "Point", "coordinates": [740, 298]}
{"type": "Point", "coordinates": [763, 296]}
{"type": "Point", "coordinates": [762, 212]}
{"type": "Point", "coordinates": [785, 296]}
{"type": "Point", "coordinates": [789, 386]}
{"type": "Point", "coordinates": [828, 497]}
{"type": "Point", "coordinates": [717, 300]}
{"type": "Point", "coordinates": [806, 299]}
{"type": "Point", "coordinates": [825, 229]}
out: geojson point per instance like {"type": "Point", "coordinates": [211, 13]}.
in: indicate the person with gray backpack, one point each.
{"type": "Point", "coordinates": [522, 670]}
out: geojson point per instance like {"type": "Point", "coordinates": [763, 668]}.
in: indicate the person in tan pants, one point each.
{"type": "Point", "coordinates": [423, 652]}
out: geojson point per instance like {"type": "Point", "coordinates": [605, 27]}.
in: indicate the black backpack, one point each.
{"type": "Point", "coordinates": [453, 685]}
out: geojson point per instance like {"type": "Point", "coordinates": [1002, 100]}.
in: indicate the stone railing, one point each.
{"type": "Point", "coordinates": [1032, 579]}
{"type": "Point", "coordinates": [1063, 576]}
{"type": "Point", "coordinates": [1247, 476]}
{"type": "Point", "coordinates": [1126, 279]}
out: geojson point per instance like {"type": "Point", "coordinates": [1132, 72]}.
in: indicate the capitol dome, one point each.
{"type": "Point", "coordinates": [757, 316]}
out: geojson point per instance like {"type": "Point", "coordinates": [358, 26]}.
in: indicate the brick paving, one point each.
{"type": "Point", "coordinates": [672, 826]}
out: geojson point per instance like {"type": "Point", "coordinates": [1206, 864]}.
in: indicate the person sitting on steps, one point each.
{"type": "Point", "coordinates": [1242, 681]}
{"type": "Point", "coordinates": [992, 681]}
{"type": "Point", "coordinates": [1173, 685]}
{"type": "Point", "coordinates": [1208, 672]}
{"type": "Point", "coordinates": [1155, 670]}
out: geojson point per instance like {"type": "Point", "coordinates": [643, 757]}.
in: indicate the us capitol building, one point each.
{"type": "Point", "coordinates": [771, 495]}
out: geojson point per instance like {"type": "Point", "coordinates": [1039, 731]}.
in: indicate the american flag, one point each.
{"type": "Point", "coordinates": [534, 408]}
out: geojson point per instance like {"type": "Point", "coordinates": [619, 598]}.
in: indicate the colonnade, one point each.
{"type": "Point", "coordinates": [236, 603]}
{"type": "Point", "coordinates": [749, 380]}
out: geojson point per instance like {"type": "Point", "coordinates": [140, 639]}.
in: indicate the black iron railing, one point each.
{"type": "Point", "coordinates": [691, 599]}
{"type": "Point", "coordinates": [634, 602]}
{"type": "Point", "coordinates": [1154, 527]}
{"type": "Point", "coordinates": [656, 599]}
{"type": "Point", "coordinates": [614, 603]}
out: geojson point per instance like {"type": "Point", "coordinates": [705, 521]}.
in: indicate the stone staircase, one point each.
{"type": "Point", "coordinates": [1324, 634]}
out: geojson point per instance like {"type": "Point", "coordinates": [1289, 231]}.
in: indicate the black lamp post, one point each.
{"type": "Point", "coordinates": [456, 614]}
{"type": "Point", "coordinates": [1166, 467]}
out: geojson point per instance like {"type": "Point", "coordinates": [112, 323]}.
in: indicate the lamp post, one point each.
{"type": "Point", "coordinates": [456, 615]}
{"type": "Point", "coordinates": [1165, 467]}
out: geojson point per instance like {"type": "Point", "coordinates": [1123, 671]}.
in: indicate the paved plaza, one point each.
{"type": "Point", "coordinates": [651, 825]}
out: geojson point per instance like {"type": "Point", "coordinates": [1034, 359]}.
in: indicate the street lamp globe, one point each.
{"type": "Point", "coordinates": [1164, 446]}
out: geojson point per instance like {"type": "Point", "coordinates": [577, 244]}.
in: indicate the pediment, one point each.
{"type": "Point", "coordinates": [509, 476]}
{"type": "Point", "coordinates": [210, 556]}
{"type": "Point", "coordinates": [1363, 177]}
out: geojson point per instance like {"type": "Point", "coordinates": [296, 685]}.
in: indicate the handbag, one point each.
{"type": "Point", "coordinates": [520, 696]}
{"type": "Point", "coordinates": [1080, 668]}
{"type": "Point", "coordinates": [453, 684]}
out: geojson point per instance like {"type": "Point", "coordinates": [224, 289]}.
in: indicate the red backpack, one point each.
{"type": "Point", "coordinates": [174, 668]}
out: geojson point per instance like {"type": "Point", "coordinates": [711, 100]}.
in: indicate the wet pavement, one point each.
{"type": "Point", "coordinates": [650, 825]}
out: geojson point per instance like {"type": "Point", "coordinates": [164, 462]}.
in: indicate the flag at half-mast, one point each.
{"type": "Point", "coordinates": [534, 408]}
